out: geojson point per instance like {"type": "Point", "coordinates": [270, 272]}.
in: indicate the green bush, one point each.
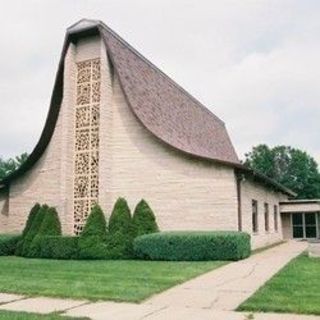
{"type": "Point", "coordinates": [58, 247]}
{"type": "Point", "coordinates": [143, 220]}
{"type": "Point", "coordinates": [120, 237]}
{"type": "Point", "coordinates": [50, 226]}
{"type": "Point", "coordinates": [32, 232]}
{"type": "Point", "coordinates": [92, 242]}
{"type": "Point", "coordinates": [193, 246]}
{"type": "Point", "coordinates": [32, 214]}
{"type": "Point", "coordinates": [8, 244]}
{"type": "Point", "coordinates": [34, 210]}
{"type": "Point", "coordinates": [96, 224]}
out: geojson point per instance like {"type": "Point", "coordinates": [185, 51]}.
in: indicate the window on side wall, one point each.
{"type": "Point", "coordinates": [266, 217]}
{"type": "Point", "coordinates": [255, 228]}
{"type": "Point", "coordinates": [275, 217]}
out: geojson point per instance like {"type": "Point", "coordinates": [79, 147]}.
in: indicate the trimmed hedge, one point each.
{"type": "Point", "coordinates": [8, 244]}
{"type": "Point", "coordinates": [92, 241]}
{"type": "Point", "coordinates": [193, 246]}
{"type": "Point", "coordinates": [144, 220]}
{"type": "Point", "coordinates": [58, 247]}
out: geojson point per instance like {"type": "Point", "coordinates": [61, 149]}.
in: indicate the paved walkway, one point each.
{"type": "Point", "coordinates": [211, 296]}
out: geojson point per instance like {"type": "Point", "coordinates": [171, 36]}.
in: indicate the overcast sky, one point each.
{"type": "Point", "coordinates": [255, 64]}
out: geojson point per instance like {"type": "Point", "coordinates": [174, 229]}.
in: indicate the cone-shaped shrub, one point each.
{"type": "Point", "coordinates": [32, 214]}
{"type": "Point", "coordinates": [92, 242]}
{"type": "Point", "coordinates": [120, 235]}
{"type": "Point", "coordinates": [144, 220]}
{"type": "Point", "coordinates": [96, 224]}
{"type": "Point", "coordinates": [120, 219]}
{"type": "Point", "coordinates": [34, 228]}
{"type": "Point", "coordinates": [50, 226]}
{"type": "Point", "coordinates": [30, 219]}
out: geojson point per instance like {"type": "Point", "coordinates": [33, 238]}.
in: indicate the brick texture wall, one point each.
{"type": "Point", "coordinates": [185, 193]}
{"type": "Point", "coordinates": [251, 190]}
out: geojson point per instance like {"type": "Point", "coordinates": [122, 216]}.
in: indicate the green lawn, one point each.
{"type": "Point", "coordinates": [11, 315]}
{"type": "Point", "coordinates": [122, 280]}
{"type": "Point", "coordinates": [295, 289]}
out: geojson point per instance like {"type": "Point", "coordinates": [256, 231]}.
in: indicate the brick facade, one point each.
{"type": "Point", "coordinates": [185, 193]}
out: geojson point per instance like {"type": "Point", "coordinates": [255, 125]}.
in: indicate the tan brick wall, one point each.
{"type": "Point", "coordinates": [4, 210]}
{"type": "Point", "coordinates": [286, 226]}
{"type": "Point", "coordinates": [185, 193]}
{"type": "Point", "coordinates": [51, 179]}
{"type": "Point", "coordinates": [252, 190]}
{"type": "Point", "coordinates": [300, 207]}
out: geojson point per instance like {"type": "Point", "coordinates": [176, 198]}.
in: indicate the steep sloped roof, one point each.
{"type": "Point", "coordinates": [163, 107]}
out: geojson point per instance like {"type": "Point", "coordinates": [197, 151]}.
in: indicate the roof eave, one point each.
{"type": "Point", "coordinates": [266, 180]}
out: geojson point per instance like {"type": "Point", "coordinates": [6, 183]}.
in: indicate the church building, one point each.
{"type": "Point", "coordinates": [119, 127]}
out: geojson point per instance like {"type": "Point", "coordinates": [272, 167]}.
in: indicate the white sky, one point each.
{"type": "Point", "coordinates": [255, 64]}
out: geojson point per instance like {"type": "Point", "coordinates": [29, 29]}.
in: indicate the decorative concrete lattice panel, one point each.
{"type": "Point", "coordinates": [86, 159]}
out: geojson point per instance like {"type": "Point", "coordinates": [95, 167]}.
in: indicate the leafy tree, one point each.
{"type": "Point", "coordinates": [11, 165]}
{"type": "Point", "coordinates": [291, 167]}
{"type": "Point", "coordinates": [144, 220]}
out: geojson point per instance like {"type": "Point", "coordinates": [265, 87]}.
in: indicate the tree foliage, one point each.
{"type": "Point", "coordinates": [291, 167]}
{"type": "Point", "coordinates": [11, 165]}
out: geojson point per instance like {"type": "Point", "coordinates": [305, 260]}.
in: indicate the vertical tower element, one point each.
{"type": "Point", "coordinates": [86, 148]}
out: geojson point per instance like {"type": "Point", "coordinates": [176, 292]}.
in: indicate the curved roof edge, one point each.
{"type": "Point", "coordinates": [113, 42]}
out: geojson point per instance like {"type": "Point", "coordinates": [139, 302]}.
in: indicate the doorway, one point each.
{"type": "Point", "coordinates": [305, 225]}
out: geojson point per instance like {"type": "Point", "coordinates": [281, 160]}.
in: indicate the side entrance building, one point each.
{"type": "Point", "coordinates": [118, 126]}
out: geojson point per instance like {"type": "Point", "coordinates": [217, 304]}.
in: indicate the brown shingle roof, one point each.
{"type": "Point", "coordinates": [164, 108]}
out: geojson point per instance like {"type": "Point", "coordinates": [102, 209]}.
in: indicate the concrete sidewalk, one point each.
{"type": "Point", "coordinates": [211, 296]}
{"type": "Point", "coordinates": [227, 287]}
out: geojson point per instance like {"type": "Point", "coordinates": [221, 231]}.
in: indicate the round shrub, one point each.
{"type": "Point", "coordinates": [144, 220]}
{"type": "Point", "coordinates": [8, 244]}
{"type": "Point", "coordinates": [193, 246]}
{"type": "Point", "coordinates": [92, 242]}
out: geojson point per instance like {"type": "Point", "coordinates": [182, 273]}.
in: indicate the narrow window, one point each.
{"type": "Point", "coordinates": [275, 218]}
{"type": "Point", "coordinates": [266, 217]}
{"type": "Point", "coordinates": [254, 216]}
